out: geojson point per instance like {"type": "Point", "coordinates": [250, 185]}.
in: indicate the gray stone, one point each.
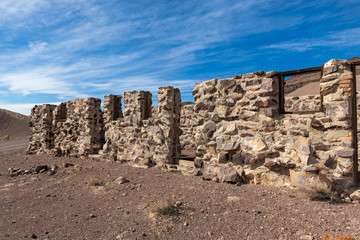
{"type": "Point", "coordinates": [345, 153]}
{"type": "Point", "coordinates": [226, 83]}
{"type": "Point", "coordinates": [211, 126]}
{"type": "Point", "coordinates": [330, 69]}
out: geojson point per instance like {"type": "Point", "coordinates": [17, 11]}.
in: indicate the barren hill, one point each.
{"type": "Point", "coordinates": [15, 125]}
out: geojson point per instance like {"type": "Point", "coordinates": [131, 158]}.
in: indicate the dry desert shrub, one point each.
{"type": "Point", "coordinates": [7, 137]}
{"type": "Point", "coordinates": [166, 207]}
{"type": "Point", "coordinates": [341, 237]}
{"type": "Point", "coordinates": [97, 183]}
{"type": "Point", "coordinates": [319, 192]}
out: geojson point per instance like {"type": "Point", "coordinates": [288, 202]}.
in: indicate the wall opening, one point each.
{"type": "Point", "coordinates": [148, 106]}
{"type": "Point", "coordinates": [187, 139]}
{"type": "Point", "coordinates": [117, 113]}
{"type": "Point", "coordinates": [300, 91]}
{"type": "Point", "coordinates": [62, 113]}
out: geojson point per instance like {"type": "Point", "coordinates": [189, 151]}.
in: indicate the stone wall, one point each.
{"type": "Point", "coordinates": [188, 122]}
{"type": "Point", "coordinates": [302, 103]}
{"type": "Point", "coordinates": [139, 138]}
{"type": "Point", "coordinates": [71, 128]}
{"type": "Point", "coordinates": [235, 126]}
{"type": "Point", "coordinates": [243, 137]}
{"type": "Point", "coordinates": [78, 127]}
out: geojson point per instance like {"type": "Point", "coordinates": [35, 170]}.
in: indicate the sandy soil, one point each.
{"type": "Point", "coordinates": [16, 143]}
{"type": "Point", "coordinates": [85, 202]}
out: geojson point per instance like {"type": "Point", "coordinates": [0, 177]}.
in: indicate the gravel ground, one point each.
{"type": "Point", "coordinates": [89, 201]}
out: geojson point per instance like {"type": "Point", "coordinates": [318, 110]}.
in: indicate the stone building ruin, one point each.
{"type": "Point", "coordinates": [241, 129]}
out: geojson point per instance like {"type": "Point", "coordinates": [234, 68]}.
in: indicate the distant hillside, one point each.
{"type": "Point", "coordinates": [14, 124]}
{"type": "Point", "coordinates": [308, 84]}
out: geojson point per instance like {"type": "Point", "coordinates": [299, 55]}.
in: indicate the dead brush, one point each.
{"type": "Point", "coordinates": [7, 137]}
{"type": "Point", "coordinates": [347, 237]}
{"type": "Point", "coordinates": [165, 207]}
{"type": "Point", "coordinates": [319, 192]}
{"type": "Point", "coordinates": [97, 183]}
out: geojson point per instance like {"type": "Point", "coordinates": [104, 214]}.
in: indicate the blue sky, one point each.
{"type": "Point", "coordinates": [53, 51]}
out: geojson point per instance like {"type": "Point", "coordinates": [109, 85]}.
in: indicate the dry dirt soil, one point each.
{"type": "Point", "coordinates": [85, 201]}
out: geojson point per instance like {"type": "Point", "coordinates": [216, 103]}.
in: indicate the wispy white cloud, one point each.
{"type": "Point", "coordinates": [348, 37]}
{"type": "Point", "coordinates": [37, 46]}
{"type": "Point", "coordinates": [34, 82]}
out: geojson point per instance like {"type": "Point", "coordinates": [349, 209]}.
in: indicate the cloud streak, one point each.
{"type": "Point", "coordinates": [348, 37]}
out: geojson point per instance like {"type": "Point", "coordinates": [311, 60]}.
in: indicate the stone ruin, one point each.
{"type": "Point", "coordinates": [72, 128]}
{"type": "Point", "coordinates": [80, 128]}
{"type": "Point", "coordinates": [239, 128]}
{"type": "Point", "coordinates": [137, 135]}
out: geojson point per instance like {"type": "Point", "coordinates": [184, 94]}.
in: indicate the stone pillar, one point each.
{"type": "Point", "coordinates": [169, 107]}
{"type": "Point", "coordinates": [41, 123]}
{"type": "Point", "coordinates": [137, 106]}
{"type": "Point", "coordinates": [336, 89]}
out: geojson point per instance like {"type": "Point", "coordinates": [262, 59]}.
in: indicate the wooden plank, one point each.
{"type": "Point", "coordinates": [300, 71]}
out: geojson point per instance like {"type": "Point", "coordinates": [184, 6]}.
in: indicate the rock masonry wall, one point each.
{"type": "Point", "coordinates": [139, 138]}
{"type": "Point", "coordinates": [302, 103]}
{"type": "Point", "coordinates": [78, 127]}
{"type": "Point", "coordinates": [188, 122]}
{"type": "Point", "coordinates": [235, 126]}
{"type": "Point", "coordinates": [189, 119]}
{"type": "Point", "coordinates": [41, 124]}
{"type": "Point", "coordinates": [243, 137]}
{"type": "Point", "coordinates": [71, 128]}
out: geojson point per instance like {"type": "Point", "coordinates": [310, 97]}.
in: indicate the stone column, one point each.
{"type": "Point", "coordinates": [41, 123]}
{"type": "Point", "coordinates": [336, 89]}
{"type": "Point", "coordinates": [169, 107]}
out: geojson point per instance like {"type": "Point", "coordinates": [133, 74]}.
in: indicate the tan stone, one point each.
{"type": "Point", "coordinates": [348, 77]}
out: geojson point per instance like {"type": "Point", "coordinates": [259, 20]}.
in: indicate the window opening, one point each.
{"type": "Point", "coordinates": [300, 91]}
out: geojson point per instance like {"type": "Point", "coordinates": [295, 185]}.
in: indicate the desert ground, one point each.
{"type": "Point", "coordinates": [88, 199]}
{"type": "Point", "coordinates": [46, 197]}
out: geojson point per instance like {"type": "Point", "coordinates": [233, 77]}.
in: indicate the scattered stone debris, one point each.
{"type": "Point", "coordinates": [355, 196]}
{"type": "Point", "coordinates": [66, 165]}
{"type": "Point", "coordinates": [121, 180]}
{"type": "Point", "coordinates": [50, 170]}
{"type": "Point", "coordinates": [41, 168]}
